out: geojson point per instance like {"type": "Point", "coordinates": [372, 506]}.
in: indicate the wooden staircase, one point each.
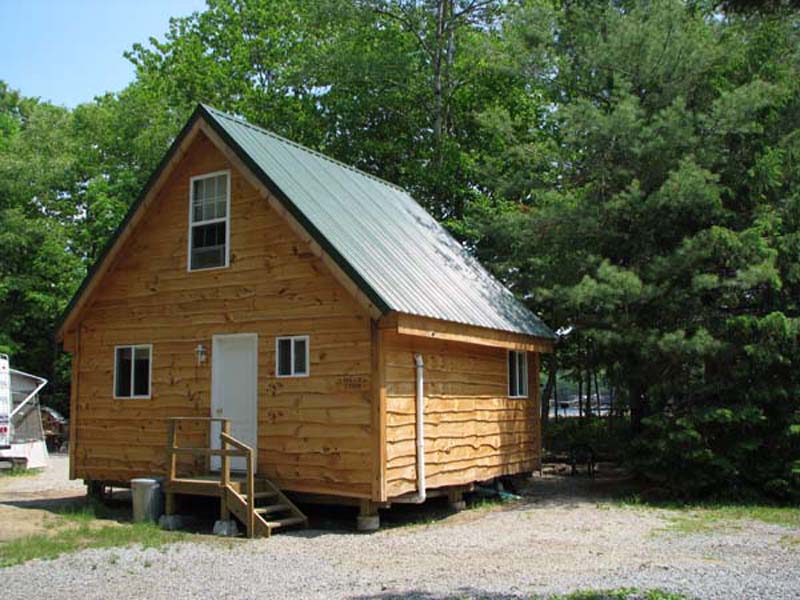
{"type": "Point", "coordinates": [255, 501]}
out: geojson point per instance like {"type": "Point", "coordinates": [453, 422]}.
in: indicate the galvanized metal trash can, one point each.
{"type": "Point", "coordinates": [148, 499]}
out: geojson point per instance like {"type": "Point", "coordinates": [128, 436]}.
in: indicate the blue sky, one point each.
{"type": "Point", "coordinates": [69, 51]}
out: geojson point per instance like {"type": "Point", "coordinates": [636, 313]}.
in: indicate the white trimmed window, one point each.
{"type": "Point", "coordinates": [209, 223]}
{"type": "Point", "coordinates": [132, 371]}
{"type": "Point", "coordinates": [291, 356]}
{"type": "Point", "coordinates": [517, 374]}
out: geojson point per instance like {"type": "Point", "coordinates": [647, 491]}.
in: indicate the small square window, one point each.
{"type": "Point", "coordinates": [132, 370]}
{"type": "Point", "coordinates": [291, 356]}
{"type": "Point", "coordinates": [517, 374]}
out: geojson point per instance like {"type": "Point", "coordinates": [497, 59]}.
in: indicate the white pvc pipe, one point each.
{"type": "Point", "coordinates": [419, 496]}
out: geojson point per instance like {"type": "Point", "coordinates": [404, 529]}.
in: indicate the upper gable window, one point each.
{"type": "Point", "coordinates": [209, 224]}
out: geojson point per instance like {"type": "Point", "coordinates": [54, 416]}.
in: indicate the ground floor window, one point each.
{"type": "Point", "coordinates": [291, 356]}
{"type": "Point", "coordinates": [132, 371]}
{"type": "Point", "coordinates": [517, 374]}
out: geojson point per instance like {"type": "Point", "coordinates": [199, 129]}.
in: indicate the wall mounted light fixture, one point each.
{"type": "Point", "coordinates": [201, 354]}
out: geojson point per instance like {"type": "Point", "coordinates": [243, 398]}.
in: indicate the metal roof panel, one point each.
{"type": "Point", "coordinates": [394, 246]}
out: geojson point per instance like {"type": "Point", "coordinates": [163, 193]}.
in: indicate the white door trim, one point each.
{"type": "Point", "coordinates": [218, 410]}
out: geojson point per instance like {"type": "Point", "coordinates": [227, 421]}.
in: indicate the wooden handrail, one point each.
{"type": "Point", "coordinates": [226, 437]}
{"type": "Point", "coordinates": [225, 453]}
{"type": "Point", "coordinates": [210, 419]}
{"type": "Point", "coordinates": [210, 452]}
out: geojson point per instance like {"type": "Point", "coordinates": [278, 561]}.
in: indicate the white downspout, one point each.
{"type": "Point", "coordinates": [419, 496]}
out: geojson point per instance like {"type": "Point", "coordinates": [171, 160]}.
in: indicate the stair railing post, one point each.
{"type": "Point", "coordinates": [225, 472]}
{"type": "Point", "coordinates": [251, 495]}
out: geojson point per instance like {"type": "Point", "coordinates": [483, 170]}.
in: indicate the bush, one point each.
{"type": "Point", "coordinates": [608, 441]}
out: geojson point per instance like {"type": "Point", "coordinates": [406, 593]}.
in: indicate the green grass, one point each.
{"type": "Point", "coordinates": [83, 536]}
{"type": "Point", "coordinates": [623, 594]}
{"type": "Point", "coordinates": [704, 517]}
{"type": "Point", "coordinates": [19, 472]}
{"type": "Point", "coordinates": [81, 525]}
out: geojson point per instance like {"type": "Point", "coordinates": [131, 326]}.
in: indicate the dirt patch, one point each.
{"type": "Point", "coordinates": [20, 522]}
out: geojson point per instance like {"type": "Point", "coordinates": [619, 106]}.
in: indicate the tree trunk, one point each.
{"type": "Point", "coordinates": [588, 393]}
{"type": "Point", "coordinates": [580, 396]}
{"type": "Point", "coordinates": [438, 74]}
{"type": "Point", "coordinates": [636, 393]}
{"type": "Point", "coordinates": [597, 393]}
{"type": "Point", "coordinates": [555, 398]}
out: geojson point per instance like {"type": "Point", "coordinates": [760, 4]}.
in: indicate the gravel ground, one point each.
{"type": "Point", "coordinates": [562, 538]}
{"type": "Point", "coordinates": [50, 482]}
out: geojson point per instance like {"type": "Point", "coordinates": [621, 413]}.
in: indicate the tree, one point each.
{"type": "Point", "coordinates": [391, 87]}
{"type": "Point", "coordinates": [666, 244]}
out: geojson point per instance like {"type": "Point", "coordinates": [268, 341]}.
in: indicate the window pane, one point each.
{"type": "Point", "coordinates": [285, 356]}
{"type": "Point", "coordinates": [141, 373]}
{"type": "Point", "coordinates": [300, 351]}
{"type": "Point", "coordinates": [522, 370]}
{"type": "Point", "coordinates": [209, 198]}
{"type": "Point", "coordinates": [512, 374]}
{"type": "Point", "coordinates": [208, 246]}
{"type": "Point", "coordinates": [199, 190]}
{"type": "Point", "coordinates": [123, 370]}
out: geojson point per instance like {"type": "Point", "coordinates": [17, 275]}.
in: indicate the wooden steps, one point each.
{"type": "Point", "coordinates": [255, 501]}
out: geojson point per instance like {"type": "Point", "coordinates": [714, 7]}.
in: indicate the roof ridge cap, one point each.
{"type": "Point", "coordinates": [299, 146]}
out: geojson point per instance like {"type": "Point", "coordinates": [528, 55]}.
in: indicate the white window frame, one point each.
{"type": "Point", "coordinates": [133, 348]}
{"type": "Point", "coordinates": [292, 339]}
{"type": "Point", "coordinates": [522, 374]}
{"type": "Point", "coordinates": [227, 220]}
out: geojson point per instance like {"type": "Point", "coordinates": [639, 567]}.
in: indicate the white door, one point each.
{"type": "Point", "coordinates": [234, 391]}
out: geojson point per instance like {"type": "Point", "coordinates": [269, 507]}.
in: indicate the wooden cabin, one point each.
{"type": "Point", "coordinates": [262, 300]}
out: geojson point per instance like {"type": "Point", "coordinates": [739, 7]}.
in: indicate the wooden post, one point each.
{"type": "Point", "coordinates": [73, 402]}
{"type": "Point", "coordinates": [172, 436]}
{"type": "Point", "coordinates": [535, 399]}
{"type": "Point", "coordinates": [455, 499]}
{"type": "Point", "coordinates": [368, 518]}
{"type": "Point", "coordinates": [225, 473]}
{"type": "Point", "coordinates": [251, 497]}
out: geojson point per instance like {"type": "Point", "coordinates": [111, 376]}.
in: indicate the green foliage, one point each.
{"type": "Point", "coordinates": [621, 594]}
{"type": "Point", "coordinates": [667, 250]}
{"type": "Point", "coordinates": [629, 169]}
{"type": "Point", "coordinates": [606, 441]}
{"type": "Point", "coordinates": [72, 539]}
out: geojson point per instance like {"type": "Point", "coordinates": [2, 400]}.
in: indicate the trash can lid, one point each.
{"type": "Point", "coordinates": [144, 481]}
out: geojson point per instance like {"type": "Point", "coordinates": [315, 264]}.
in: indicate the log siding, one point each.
{"type": "Point", "coordinates": [315, 433]}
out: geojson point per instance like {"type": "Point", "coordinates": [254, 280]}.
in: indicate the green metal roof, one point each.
{"type": "Point", "coordinates": [399, 255]}
{"type": "Point", "coordinates": [396, 253]}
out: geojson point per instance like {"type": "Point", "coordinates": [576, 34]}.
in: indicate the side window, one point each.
{"type": "Point", "coordinates": [291, 356]}
{"type": "Point", "coordinates": [517, 374]}
{"type": "Point", "coordinates": [209, 224]}
{"type": "Point", "coordinates": [132, 370]}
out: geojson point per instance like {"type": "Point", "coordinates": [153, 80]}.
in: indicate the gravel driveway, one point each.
{"type": "Point", "coordinates": [562, 538]}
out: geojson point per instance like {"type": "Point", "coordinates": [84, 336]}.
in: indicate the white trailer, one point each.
{"type": "Point", "coordinates": [22, 440]}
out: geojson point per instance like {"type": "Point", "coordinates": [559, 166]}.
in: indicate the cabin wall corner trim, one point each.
{"type": "Point", "coordinates": [379, 413]}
